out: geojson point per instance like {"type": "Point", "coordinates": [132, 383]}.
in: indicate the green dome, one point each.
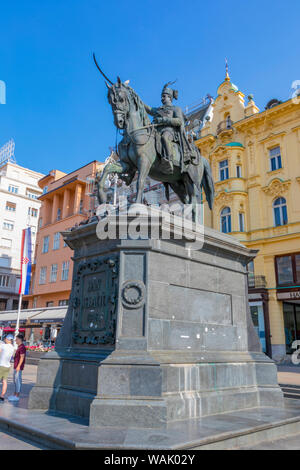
{"type": "Point", "coordinates": [234, 144]}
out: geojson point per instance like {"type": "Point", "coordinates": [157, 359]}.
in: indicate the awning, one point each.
{"type": "Point", "coordinates": [34, 315]}
{"type": "Point", "coordinates": [56, 314]}
{"type": "Point", "coordinates": [11, 316]}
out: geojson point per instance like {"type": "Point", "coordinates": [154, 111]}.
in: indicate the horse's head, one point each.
{"type": "Point", "coordinates": [118, 99]}
{"type": "Point", "coordinates": [125, 103]}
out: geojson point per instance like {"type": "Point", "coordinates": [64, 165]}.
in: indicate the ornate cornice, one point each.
{"type": "Point", "coordinates": [206, 139]}
{"type": "Point", "coordinates": [276, 187]}
{"type": "Point", "coordinates": [268, 114]}
{"type": "Point", "coordinates": [272, 136]}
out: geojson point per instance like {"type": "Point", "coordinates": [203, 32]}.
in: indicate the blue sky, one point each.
{"type": "Point", "coordinates": [57, 110]}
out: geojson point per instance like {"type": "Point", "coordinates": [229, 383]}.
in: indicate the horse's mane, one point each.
{"type": "Point", "coordinates": [140, 106]}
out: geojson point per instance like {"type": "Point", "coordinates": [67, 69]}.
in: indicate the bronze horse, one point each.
{"type": "Point", "coordinates": [137, 153]}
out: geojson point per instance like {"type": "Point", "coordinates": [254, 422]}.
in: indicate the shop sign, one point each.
{"type": "Point", "coordinates": [292, 295]}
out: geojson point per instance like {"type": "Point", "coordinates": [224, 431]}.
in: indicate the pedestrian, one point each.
{"type": "Point", "coordinates": [19, 363]}
{"type": "Point", "coordinates": [6, 353]}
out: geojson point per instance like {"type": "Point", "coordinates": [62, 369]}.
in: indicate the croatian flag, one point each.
{"type": "Point", "coordinates": [25, 261]}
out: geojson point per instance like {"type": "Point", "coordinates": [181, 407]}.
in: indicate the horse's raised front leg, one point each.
{"type": "Point", "coordinates": [108, 169]}
{"type": "Point", "coordinates": [143, 171]}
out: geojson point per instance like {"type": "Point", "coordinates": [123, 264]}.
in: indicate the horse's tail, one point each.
{"type": "Point", "coordinates": [207, 180]}
{"type": "Point", "coordinates": [208, 183]}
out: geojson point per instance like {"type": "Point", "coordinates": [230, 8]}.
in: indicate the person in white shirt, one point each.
{"type": "Point", "coordinates": [6, 353]}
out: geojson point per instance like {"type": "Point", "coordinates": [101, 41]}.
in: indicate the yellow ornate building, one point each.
{"type": "Point", "coordinates": [255, 159]}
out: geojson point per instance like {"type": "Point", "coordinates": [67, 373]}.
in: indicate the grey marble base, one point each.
{"type": "Point", "coordinates": [239, 429]}
{"type": "Point", "coordinates": [157, 331]}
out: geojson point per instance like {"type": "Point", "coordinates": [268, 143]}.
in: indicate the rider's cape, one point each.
{"type": "Point", "coordinates": [189, 153]}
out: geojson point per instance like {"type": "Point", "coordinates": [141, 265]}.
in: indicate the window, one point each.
{"type": "Point", "coordinates": [291, 315]}
{"type": "Point", "coordinates": [56, 241]}
{"type": "Point", "coordinates": [6, 242]}
{"type": "Point", "coordinates": [223, 170]}
{"type": "Point", "coordinates": [5, 261]}
{"type": "Point", "coordinates": [40, 222]}
{"type": "Point", "coordinates": [63, 302]}
{"type": "Point", "coordinates": [65, 244]}
{"type": "Point", "coordinates": [65, 270]}
{"type": "Point", "coordinates": [13, 189]}
{"type": "Point", "coordinates": [43, 275]}
{"type": "Point", "coordinates": [238, 171]}
{"type": "Point", "coordinates": [288, 269]}
{"type": "Point", "coordinates": [257, 314]}
{"type": "Point", "coordinates": [280, 212]}
{"type": "Point", "coordinates": [33, 212]}
{"type": "Point", "coordinates": [297, 267]}
{"type": "Point", "coordinates": [45, 244]}
{"type": "Point", "coordinates": [32, 195]}
{"type": "Point", "coordinates": [50, 304]}
{"type": "Point", "coordinates": [53, 274]}
{"type": "Point", "coordinates": [58, 217]}
{"type": "Point", "coordinates": [81, 206]}
{"type": "Point", "coordinates": [10, 206]}
{"type": "Point", "coordinates": [228, 122]}
{"type": "Point", "coordinates": [284, 270]}
{"type": "Point", "coordinates": [226, 220]}
{"type": "Point", "coordinates": [275, 159]}
{"type": "Point", "coordinates": [242, 221]}
{"type": "Point", "coordinates": [4, 280]}
{"type": "Point", "coordinates": [45, 189]}
{"type": "Point", "coordinates": [7, 225]}
{"type": "Point", "coordinates": [250, 267]}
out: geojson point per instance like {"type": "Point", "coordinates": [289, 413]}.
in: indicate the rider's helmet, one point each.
{"type": "Point", "coordinates": [169, 91]}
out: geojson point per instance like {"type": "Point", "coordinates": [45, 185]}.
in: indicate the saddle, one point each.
{"type": "Point", "coordinates": [190, 157]}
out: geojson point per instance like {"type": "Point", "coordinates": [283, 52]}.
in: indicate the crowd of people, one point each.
{"type": "Point", "coordinates": [12, 348]}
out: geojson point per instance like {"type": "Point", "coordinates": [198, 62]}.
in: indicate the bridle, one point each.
{"type": "Point", "coordinates": [125, 114]}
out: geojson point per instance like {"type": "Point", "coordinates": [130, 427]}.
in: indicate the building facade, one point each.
{"type": "Point", "coordinates": [19, 209]}
{"type": "Point", "coordinates": [65, 202]}
{"type": "Point", "coordinates": [255, 160]}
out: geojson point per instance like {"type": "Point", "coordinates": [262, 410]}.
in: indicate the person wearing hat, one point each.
{"type": "Point", "coordinates": [6, 353]}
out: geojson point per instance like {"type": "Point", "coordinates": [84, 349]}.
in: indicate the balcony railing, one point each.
{"type": "Point", "coordinates": [224, 126]}
{"type": "Point", "coordinates": [256, 282]}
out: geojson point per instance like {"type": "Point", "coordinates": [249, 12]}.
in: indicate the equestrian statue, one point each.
{"type": "Point", "coordinates": [159, 149]}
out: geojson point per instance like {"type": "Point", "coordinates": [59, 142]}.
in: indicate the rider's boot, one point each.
{"type": "Point", "coordinates": [166, 166]}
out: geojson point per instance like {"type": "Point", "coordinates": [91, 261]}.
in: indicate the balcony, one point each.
{"type": "Point", "coordinates": [225, 127]}
{"type": "Point", "coordinates": [256, 282]}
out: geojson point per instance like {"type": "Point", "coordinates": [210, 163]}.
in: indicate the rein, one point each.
{"type": "Point", "coordinates": [144, 127]}
{"type": "Point", "coordinates": [150, 126]}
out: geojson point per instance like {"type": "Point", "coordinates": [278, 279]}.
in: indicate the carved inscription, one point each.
{"type": "Point", "coordinates": [95, 301]}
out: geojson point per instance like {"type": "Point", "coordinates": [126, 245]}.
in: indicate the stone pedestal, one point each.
{"type": "Point", "coordinates": [157, 330]}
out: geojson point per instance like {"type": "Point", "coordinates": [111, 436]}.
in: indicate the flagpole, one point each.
{"type": "Point", "coordinates": [25, 274]}
{"type": "Point", "coordinates": [21, 286]}
{"type": "Point", "coordinates": [18, 316]}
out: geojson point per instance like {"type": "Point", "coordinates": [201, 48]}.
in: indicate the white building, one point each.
{"type": "Point", "coordinates": [19, 209]}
